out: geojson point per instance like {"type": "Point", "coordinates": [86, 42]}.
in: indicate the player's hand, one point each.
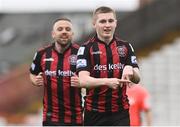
{"type": "Point", "coordinates": [127, 74]}
{"type": "Point", "coordinates": [75, 81]}
{"type": "Point", "coordinates": [124, 82]}
{"type": "Point", "coordinates": [39, 81]}
{"type": "Point", "coordinates": [115, 82]}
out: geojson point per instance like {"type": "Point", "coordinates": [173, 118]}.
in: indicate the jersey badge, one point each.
{"type": "Point", "coordinates": [122, 51]}
{"type": "Point", "coordinates": [73, 59]}
{"type": "Point", "coordinates": [81, 63]}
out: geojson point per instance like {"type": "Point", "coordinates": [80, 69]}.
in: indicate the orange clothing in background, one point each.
{"type": "Point", "coordinates": [139, 100]}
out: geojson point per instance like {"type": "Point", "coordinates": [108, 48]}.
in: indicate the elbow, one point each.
{"type": "Point", "coordinates": [136, 80]}
{"type": "Point", "coordinates": [136, 76]}
{"type": "Point", "coordinates": [32, 78]}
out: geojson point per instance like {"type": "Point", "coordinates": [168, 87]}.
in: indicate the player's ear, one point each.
{"type": "Point", "coordinates": [116, 22]}
{"type": "Point", "coordinates": [94, 22]}
{"type": "Point", "coordinates": [52, 34]}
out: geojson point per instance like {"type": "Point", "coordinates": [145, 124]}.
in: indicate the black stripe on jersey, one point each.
{"type": "Point", "coordinates": [60, 88]}
{"type": "Point", "coordinates": [121, 60]}
{"type": "Point", "coordinates": [49, 92]}
{"type": "Point", "coordinates": [96, 58]}
{"type": "Point", "coordinates": [108, 97]}
{"type": "Point", "coordinates": [119, 101]}
{"type": "Point", "coordinates": [72, 90]}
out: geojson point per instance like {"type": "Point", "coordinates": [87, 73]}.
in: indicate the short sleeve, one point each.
{"type": "Point", "coordinates": [131, 59]}
{"type": "Point", "coordinates": [83, 59]}
{"type": "Point", "coordinates": [36, 64]}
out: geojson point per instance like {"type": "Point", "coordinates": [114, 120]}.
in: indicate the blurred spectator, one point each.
{"type": "Point", "coordinates": [139, 99]}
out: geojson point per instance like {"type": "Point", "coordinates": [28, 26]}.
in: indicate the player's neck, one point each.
{"type": "Point", "coordinates": [61, 48]}
{"type": "Point", "coordinates": [106, 40]}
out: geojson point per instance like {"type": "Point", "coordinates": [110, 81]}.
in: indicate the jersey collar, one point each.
{"type": "Point", "coordinates": [64, 50]}
{"type": "Point", "coordinates": [100, 41]}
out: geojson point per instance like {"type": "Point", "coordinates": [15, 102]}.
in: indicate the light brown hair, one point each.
{"type": "Point", "coordinates": [103, 9]}
{"type": "Point", "coordinates": [62, 19]}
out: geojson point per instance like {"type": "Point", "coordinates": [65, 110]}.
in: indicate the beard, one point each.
{"type": "Point", "coordinates": [63, 42]}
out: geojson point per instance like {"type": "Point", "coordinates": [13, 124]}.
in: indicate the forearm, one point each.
{"type": "Point", "coordinates": [32, 78]}
{"type": "Point", "coordinates": [136, 76]}
{"type": "Point", "coordinates": [148, 118]}
{"type": "Point", "coordinates": [87, 81]}
{"type": "Point", "coordinates": [90, 82]}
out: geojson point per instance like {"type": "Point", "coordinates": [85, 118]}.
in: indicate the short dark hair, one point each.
{"type": "Point", "coordinates": [103, 9]}
{"type": "Point", "coordinates": [63, 19]}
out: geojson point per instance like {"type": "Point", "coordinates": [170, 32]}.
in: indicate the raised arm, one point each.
{"type": "Point", "coordinates": [131, 74]}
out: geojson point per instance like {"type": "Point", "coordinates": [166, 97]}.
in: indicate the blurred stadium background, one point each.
{"type": "Point", "coordinates": [152, 26]}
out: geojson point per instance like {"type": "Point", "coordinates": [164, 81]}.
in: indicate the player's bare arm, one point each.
{"type": "Point", "coordinates": [37, 80]}
{"type": "Point", "coordinates": [87, 81]}
{"type": "Point", "coordinates": [131, 74]}
{"type": "Point", "coordinates": [75, 81]}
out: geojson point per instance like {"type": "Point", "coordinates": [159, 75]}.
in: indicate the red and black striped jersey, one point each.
{"type": "Point", "coordinates": [61, 103]}
{"type": "Point", "coordinates": [106, 61]}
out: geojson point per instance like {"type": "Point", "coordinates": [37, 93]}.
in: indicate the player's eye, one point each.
{"type": "Point", "coordinates": [111, 20]}
{"type": "Point", "coordinates": [60, 29]}
{"type": "Point", "coordinates": [68, 29]}
{"type": "Point", "coordinates": [102, 21]}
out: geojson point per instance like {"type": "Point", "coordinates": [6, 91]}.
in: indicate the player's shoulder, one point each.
{"type": "Point", "coordinates": [45, 47]}
{"type": "Point", "coordinates": [75, 45]}
{"type": "Point", "coordinates": [123, 42]}
{"type": "Point", "coordinates": [89, 42]}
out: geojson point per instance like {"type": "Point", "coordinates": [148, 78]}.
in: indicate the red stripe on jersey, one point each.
{"type": "Point", "coordinates": [66, 88]}
{"type": "Point", "coordinates": [103, 74]}
{"type": "Point", "coordinates": [55, 108]}
{"type": "Point", "coordinates": [116, 74]}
